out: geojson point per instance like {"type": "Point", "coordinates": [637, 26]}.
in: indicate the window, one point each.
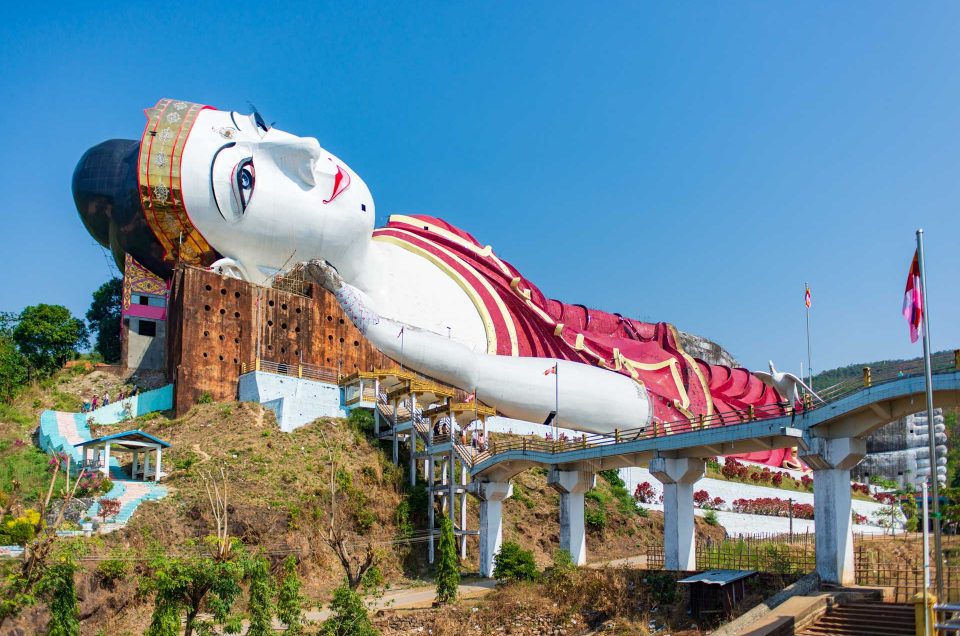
{"type": "Point", "coordinates": [147, 328]}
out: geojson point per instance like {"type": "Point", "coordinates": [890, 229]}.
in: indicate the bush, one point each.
{"type": "Point", "coordinates": [21, 530]}
{"type": "Point", "coordinates": [644, 493]}
{"type": "Point", "coordinates": [710, 517]}
{"type": "Point", "coordinates": [361, 420]}
{"type": "Point", "coordinates": [113, 569]}
{"type": "Point", "coordinates": [595, 519]}
{"type": "Point", "coordinates": [513, 563]}
{"type": "Point", "coordinates": [205, 398]}
{"type": "Point", "coordinates": [348, 615]}
{"type": "Point", "coordinates": [663, 588]}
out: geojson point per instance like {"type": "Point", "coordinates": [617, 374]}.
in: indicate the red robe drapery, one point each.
{"type": "Point", "coordinates": [521, 321]}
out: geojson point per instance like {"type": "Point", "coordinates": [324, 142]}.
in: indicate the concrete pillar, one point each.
{"type": "Point", "coordinates": [413, 441]}
{"type": "Point", "coordinates": [396, 441]}
{"type": "Point", "coordinates": [157, 471]}
{"type": "Point", "coordinates": [572, 484]}
{"type": "Point", "coordinates": [146, 465]}
{"type": "Point", "coordinates": [679, 477]}
{"type": "Point", "coordinates": [463, 511]}
{"type": "Point", "coordinates": [106, 460]}
{"type": "Point", "coordinates": [491, 495]}
{"type": "Point", "coordinates": [135, 465]}
{"type": "Point", "coordinates": [831, 461]}
{"type": "Point", "coordinates": [431, 521]}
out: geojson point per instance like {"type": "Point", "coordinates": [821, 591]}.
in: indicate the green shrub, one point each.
{"type": "Point", "coordinates": [113, 569]}
{"type": "Point", "coordinates": [663, 587]}
{"type": "Point", "coordinates": [348, 615]}
{"type": "Point", "coordinates": [513, 563]}
{"type": "Point", "coordinates": [361, 420]}
{"type": "Point", "coordinates": [710, 517]}
{"type": "Point", "coordinates": [595, 519]}
{"type": "Point", "coordinates": [205, 398]}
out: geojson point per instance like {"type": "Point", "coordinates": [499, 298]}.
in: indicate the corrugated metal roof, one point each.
{"type": "Point", "coordinates": [136, 435]}
{"type": "Point", "coordinates": [718, 577]}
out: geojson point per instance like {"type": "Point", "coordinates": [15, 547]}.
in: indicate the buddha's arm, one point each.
{"type": "Point", "coordinates": [589, 398]}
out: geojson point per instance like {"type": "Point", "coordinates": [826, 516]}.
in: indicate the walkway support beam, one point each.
{"type": "Point", "coordinates": [572, 484]}
{"type": "Point", "coordinates": [679, 477]}
{"type": "Point", "coordinates": [491, 495]}
{"type": "Point", "coordinates": [831, 461]}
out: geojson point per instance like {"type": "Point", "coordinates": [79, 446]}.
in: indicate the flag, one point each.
{"type": "Point", "coordinates": [913, 300]}
{"type": "Point", "coordinates": [552, 370]}
{"type": "Point", "coordinates": [471, 397]}
{"type": "Point", "coordinates": [806, 297]}
{"type": "Point", "coordinates": [401, 331]}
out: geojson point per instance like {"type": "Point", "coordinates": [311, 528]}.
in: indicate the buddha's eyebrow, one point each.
{"type": "Point", "coordinates": [234, 120]}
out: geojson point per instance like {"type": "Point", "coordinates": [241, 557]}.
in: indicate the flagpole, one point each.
{"type": "Point", "coordinates": [556, 402]}
{"type": "Point", "coordinates": [809, 362]}
{"type": "Point", "coordinates": [931, 429]}
{"type": "Point", "coordinates": [926, 561]}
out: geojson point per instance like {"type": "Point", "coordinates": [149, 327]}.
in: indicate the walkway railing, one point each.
{"type": "Point", "coordinates": [306, 371]}
{"type": "Point", "coordinates": [945, 362]}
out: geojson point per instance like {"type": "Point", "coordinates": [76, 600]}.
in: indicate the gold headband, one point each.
{"type": "Point", "coordinates": [161, 150]}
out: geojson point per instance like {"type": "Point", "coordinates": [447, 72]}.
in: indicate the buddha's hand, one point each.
{"type": "Point", "coordinates": [322, 273]}
{"type": "Point", "coordinates": [355, 303]}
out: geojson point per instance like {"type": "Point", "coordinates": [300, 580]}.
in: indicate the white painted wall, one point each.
{"type": "Point", "coordinates": [296, 401]}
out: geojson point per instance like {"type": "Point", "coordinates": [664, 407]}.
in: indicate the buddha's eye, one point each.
{"type": "Point", "coordinates": [245, 178]}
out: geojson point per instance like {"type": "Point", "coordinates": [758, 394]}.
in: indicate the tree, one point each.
{"type": "Point", "coordinates": [104, 318]}
{"type": "Point", "coordinates": [187, 585]}
{"type": "Point", "coordinates": [448, 573]}
{"type": "Point", "coordinates": [57, 588]}
{"type": "Point", "coordinates": [107, 508]}
{"type": "Point", "coordinates": [13, 367]}
{"type": "Point", "coordinates": [348, 615]}
{"type": "Point", "coordinates": [290, 600]}
{"type": "Point", "coordinates": [48, 336]}
{"type": "Point", "coordinates": [513, 563]}
{"type": "Point", "coordinates": [190, 584]}
{"type": "Point", "coordinates": [259, 606]}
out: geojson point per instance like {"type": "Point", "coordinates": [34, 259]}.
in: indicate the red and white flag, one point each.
{"type": "Point", "coordinates": [913, 300]}
{"type": "Point", "coordinates": [470, 397]}
{"type": "Point", "coordinates": [806, 297]}
{"type": "Point", "coordinates": [552, 370]}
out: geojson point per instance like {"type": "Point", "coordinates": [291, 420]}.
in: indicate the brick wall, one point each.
{"type": "Point", "coordinates": [215, 322]}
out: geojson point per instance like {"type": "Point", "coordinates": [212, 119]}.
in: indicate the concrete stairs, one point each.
{"type": "Point", "coordinates": [864, 618]}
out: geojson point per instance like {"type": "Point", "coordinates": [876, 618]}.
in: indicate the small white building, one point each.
{"type": "Point", "coordinates": [146, 449]}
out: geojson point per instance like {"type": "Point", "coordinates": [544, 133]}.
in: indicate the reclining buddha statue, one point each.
{"type": "Point", "coordinates": [225, 190]}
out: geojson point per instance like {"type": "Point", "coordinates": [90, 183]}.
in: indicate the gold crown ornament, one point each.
{"type": "Point", "coordinates": [158, 174]}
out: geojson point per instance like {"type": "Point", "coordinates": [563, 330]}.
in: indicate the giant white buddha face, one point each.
{"type": "Point", "coordinates": [269, 199]}
{"type": "Point", "coordinates": [205, 186]}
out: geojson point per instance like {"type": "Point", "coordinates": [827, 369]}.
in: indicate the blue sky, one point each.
{"type": "Point", "coordinates": [688, 162]}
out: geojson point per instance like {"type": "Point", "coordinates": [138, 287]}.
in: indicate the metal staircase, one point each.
{"type": "Point", "coordinates": [432, 422]}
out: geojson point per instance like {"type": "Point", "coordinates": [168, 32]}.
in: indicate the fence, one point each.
{"type": "Point", "coordinates": [307, 371]}
{"type": "Point", "coordinates": [895, 562]}
{"type": "Point", "coordinates": [775, 553]}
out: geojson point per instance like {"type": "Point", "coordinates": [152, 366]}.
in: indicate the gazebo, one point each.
{"type": "Point", "coordinates": [140, 444]}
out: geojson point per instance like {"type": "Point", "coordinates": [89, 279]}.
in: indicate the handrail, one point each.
{"type": "Point", "coordinates": [946, 362]}
{"type": "Point", "coordinates": [298, 370]}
